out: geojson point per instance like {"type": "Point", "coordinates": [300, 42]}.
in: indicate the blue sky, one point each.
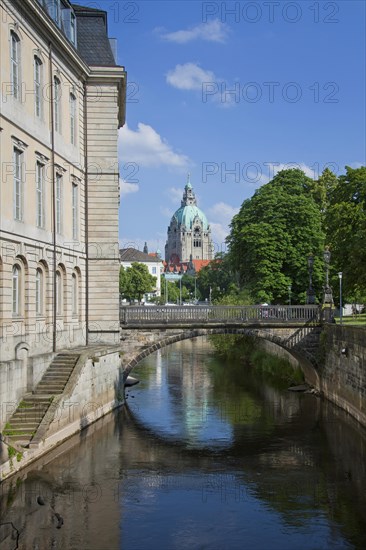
{"type": "Point", "coordinates": [231, 92]}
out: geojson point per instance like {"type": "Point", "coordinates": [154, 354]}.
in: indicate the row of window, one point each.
{"type": "Point", "coordinates": [41, 275]}
{"type": "Point", "coordinates": [63, 16]}
{"type": "Point", "coordinates": [41, 195]}
{"type": "Point", "coordinates": [38, 69]}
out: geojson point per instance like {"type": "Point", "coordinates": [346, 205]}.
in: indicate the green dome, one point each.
{"type": "Point", "coordinates": [186, 214]}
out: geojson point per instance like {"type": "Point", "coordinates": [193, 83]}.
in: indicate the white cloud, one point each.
{"type": "Point", "coordinates": [310, 172]}
{"type": "Point", "coordinates": [146, 147]}
{"type": "Point", "coordinates": [126, 187]}
{"type": "Point", "coordinates": [222, 213]}
{"type": "Point", "coordinates": [166, 212]}
{"type": "Point", "coordinates": [189, 77]}
{"type": "Point", "coordinates": [192, 77]}
{"type": "Point", "coordinates": [175, 194]}
{"type": "Point", "coordinates": [212, 31]}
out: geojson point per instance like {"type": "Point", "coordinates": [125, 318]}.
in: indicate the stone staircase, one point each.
{"type": "Point", "coordinates": [306, 340]}
{"type": "Point", "coordinates": [24, 422]}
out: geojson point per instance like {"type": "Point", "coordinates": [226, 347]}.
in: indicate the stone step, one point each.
{"type": "Point", "coordinates": [48, 391]}
{"type": "Point", "coordinates": [19, 431]}
{"type": "Point", "coordinates": [64, 361]}
{"type": "Point", "coordinates": [38, 401]}
{"type": "Point", "coordinates": [56, 377]}
{"type": "Point", "coordinates": [33, 413]}
{"type": "Point", "coordinates": [64, 364]}
{"type": "Point", "coordinates": [35, 419]}
{"type": "Point", "coordinates": [17, 425]}
{"type": "Point", "coordinates": [22, 441]}
{"type": "Point", "coordinates": [67, 368]}
{"type": "Point", "coordinates": [49, 383]}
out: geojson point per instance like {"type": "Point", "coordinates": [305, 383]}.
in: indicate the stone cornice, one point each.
{"type": "Point", "coordinates": [33, 11]}
{"type": "Point", "coordinates": [112, 75]}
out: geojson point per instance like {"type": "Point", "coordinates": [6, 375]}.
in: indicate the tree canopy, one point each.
{"type": "Point", "coordinates": [135, 281]}
{"type": "Point", "coordinates": [272, 236]}
{"type": "Point", "coordinates": [346, 232]}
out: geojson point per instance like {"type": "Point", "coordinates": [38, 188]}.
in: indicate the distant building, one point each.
{"type": "Point", "coordinates": [153, 262]}
{"type": "Point", "coordinates": [62, 97]}
{"type": "Point", "coordinates": [189, 244]}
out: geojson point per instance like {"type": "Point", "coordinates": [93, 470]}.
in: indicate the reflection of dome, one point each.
{"type": "Point", "coordinates": [185, 215]}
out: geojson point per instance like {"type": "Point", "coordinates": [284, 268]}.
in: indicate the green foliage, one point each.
{"type": "Point", "coordinates": [247, 349]}
{"type": "Point", "coordinates": [135, 281]}
{"type": "Point", "coordinates": [219, 277]}
{"type": "Point", "coordinates": [227, 345]}
{"type": "Point", "coordinates": [272, 236]}
{"type": "Point", "coordinates": [13, 453]}
{"type": "Point", "coordinates": [346, 233]}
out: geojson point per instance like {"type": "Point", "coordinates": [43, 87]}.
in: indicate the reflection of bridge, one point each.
{"type": "Point", "coordinates": [218, 316]}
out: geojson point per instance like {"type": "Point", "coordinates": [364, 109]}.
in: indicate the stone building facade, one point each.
{"type": "Point", "coordinates": [62, 100]}
{"type": "Point", "coordinates": [189, 233]}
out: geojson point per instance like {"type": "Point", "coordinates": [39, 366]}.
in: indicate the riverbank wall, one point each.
{"type": "Point", "coordinates": [94, 389]}
{"type": "Point", "coordinates": [342, 372]}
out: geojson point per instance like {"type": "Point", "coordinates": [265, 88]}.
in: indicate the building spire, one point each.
{"type": "Point", "coordinates": [188, 184]}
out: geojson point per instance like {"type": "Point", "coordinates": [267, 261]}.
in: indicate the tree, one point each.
{"type": "Point", "coordinates": [217, 276]}
{"type": "Point", "coordinates": [346, 232]}
{"type": "Point", "coordinates": [323, 189]}
{"type": "Point", "coordinates": [272, 236]}
{"type": "Point", "coordinates": [135, 281]}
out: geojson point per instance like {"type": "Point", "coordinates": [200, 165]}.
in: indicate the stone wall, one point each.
{"type": "Point", "coordinates": [94, 389]}
{"type": "Point", "coordinates": [343, 372]}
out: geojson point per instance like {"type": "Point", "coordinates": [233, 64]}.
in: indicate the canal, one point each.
{"type": "Point", "coordinates": [207, 454]}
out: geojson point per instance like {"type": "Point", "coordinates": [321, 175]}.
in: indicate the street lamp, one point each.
{"type": "Point", "coordinates": [328, 297]}
{"type": "Point", "coordinates": [310, 292]}
{"type": "Point", "coordinates": [340, 275]}
{"type": "Point", "coordinates": [289, 294]}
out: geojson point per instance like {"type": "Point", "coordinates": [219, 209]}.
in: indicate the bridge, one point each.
{"type": "Point", "coordinates": [296, 329]}
{"type": "Point", "coordinates": [139, 317]}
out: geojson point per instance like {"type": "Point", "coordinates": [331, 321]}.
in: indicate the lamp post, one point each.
{"type": "Point", "coordinates": [328, 297]}
{"type": "Point", "coordinates": [289, 294]}
{"type": "Point", "coordinates": [310, 299]}
{"type": "Point", "coordinates": [340, 275]}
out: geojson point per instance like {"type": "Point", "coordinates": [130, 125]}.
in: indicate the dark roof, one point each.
{"type": "Point", "coordinates": [133, 255]}
{"type": "Point", "coordinates": [92, 32]}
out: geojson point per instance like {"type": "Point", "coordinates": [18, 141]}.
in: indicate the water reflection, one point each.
{"type": "Point", "coordinates": [205, 455]}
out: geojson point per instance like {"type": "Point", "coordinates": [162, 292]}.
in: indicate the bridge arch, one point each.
{"type": "Point", "coordinates": [284, 342]}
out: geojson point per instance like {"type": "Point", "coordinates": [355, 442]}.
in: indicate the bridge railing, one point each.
{"type": "Point", "coordinates": [143, 315]}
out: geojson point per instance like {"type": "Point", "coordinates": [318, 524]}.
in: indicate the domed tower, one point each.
{"type": "Point", "coordinates": [189, 234]}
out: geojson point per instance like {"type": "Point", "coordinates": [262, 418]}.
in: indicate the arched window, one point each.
{"type": "Point", "coordinates": [38, 69]}
{"type": "Point", "coordinates": [39, 291]}
{"type": "Point", "coordinates": [74, 295]}
{"type": "Point", "coordinates": [16, 290]}
{"type": "Point", "coordinates": [59, 203]}
{"type": "Point", "coordinates": [75, 211]}
{"type": "Point", "coordinates": [59, 293]}
{"type": "Point", "coordinates": [18, 184]}
{"type": "Point", "coordinates": [57, 103]}
{"type": "Point", "coordinates": [15, 64]}
{"type": "Point", "coordinates": [72, 119]}
{"type": "Point", "coordinates": [40, 192]}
